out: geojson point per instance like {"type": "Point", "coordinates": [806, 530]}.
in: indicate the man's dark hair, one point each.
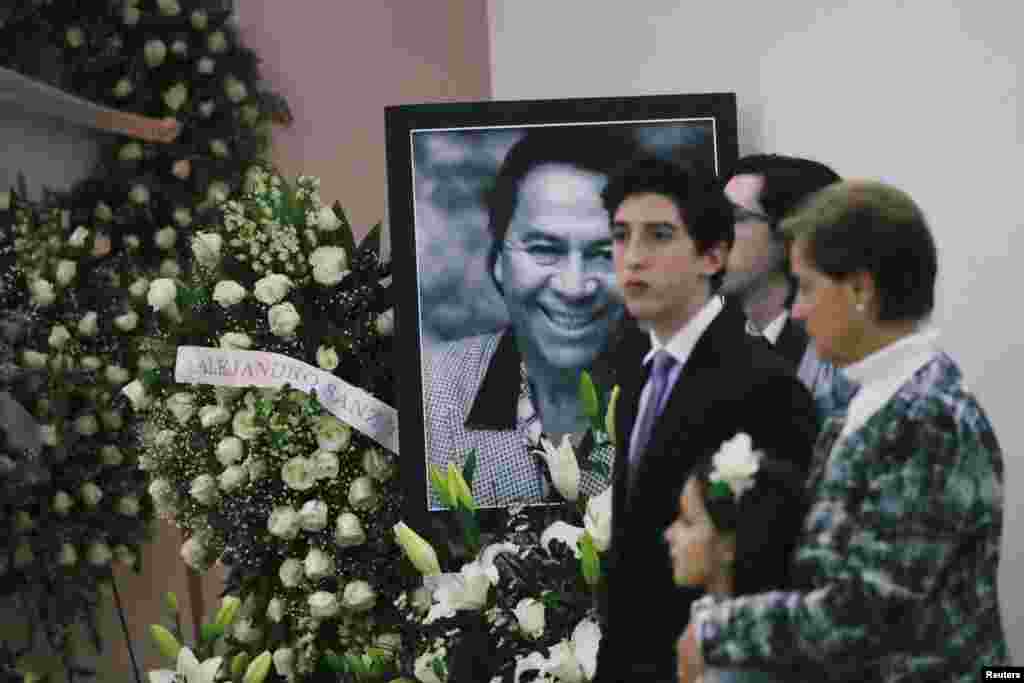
{"type": "Point", "coordinates": [696, 193]}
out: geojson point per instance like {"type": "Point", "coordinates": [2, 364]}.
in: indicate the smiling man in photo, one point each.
{"type": "Point", "coordinates": [551, 260]}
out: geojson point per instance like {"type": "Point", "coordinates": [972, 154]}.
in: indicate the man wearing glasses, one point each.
{"type": "Point", "coordinates": [763, 188]}
{"type": "Point", "coordinates": [551, 260]}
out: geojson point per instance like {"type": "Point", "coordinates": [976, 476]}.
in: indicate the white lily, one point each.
{"type": "Point", "coordinates": [736, 463]}
{"type": "Point", "coordinates": [598, 519]}
{"type": "Point", "coordinates": [564, 532]}
{"type": "Point", "coordinates": [190, 669]}
{"type": "Point", "coordinates": [565, 470]}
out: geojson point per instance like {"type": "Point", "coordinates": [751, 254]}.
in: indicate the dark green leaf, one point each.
{"type": "Point", "coordinates": [151, 378]}
{"type": "Point", "coordinates": [594, 464]}
{"type": "Point", "coordinates": [210, 632]}
{"type": "Point", "coordinates": [470, 528]}
{"type": "Point", "coordinates": [334, 662]}
{"type": "Point", "coordinates": [469, 468]}
{"type": "Point", "coordinates": [439, 668]}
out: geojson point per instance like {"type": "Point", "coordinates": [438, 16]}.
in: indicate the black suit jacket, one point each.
{"type": "Point", "coordinates": [732, 382]}
{"type": "Point", "coordinates": [792, 342]}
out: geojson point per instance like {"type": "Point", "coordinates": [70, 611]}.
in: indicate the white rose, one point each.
{"type": "Point", "coordinates": [165, 438]}
{"type": "Point", "coordinates": [205, 66]}
{"type": "Point", "coordinates": [246, 631]}
{"type": "Point", "coordinates": [128, 506]}
{"type": "Point", "coordinates": [329, 265]}
{"type": "Point", "coordinates": [359, 596]}
{"type": "Point", "coordinates": [327, 358]}
{"type": "Point", "coordinates": [195, 552]}
{"type": "Point", "coordinates": [230, 450]}
{"type": "Point", "coordinates": [92, 363]}
{"type": "Point", "coordinates": [290, 573]}
{"type": "Point", "coordinates": [130, 152]}
{"type": "Point", "coordinates": [123, 88]}
{"type": "Point", "coordinates": [736, 463]}
{"type": "Point", "coordinates": [228, 293]}
{"type": "Point", "coordinates": [283, 319]}
{"type": "Point", "coordinates": [147, 363]}
{"type": "Point", "coordinates": [218, 147]}
{"type": "Point", "coordinates": [49, 435]}
{"type": "Point", "coordinates": [74, 36]}
{"type": "Point", "coordinates": [182, 405]}
{"type": "Point", "coordinates": [169, 268]}
{"type": "Point", "coordinates": [272, 288]}
{"type": "Point", "coordinates": [319, 565]}
{"type": "Point", "coordinates": [59, 336]}
{"type": "Point", "coordinates": [598, 519]}
{"type": "Point", "coordinates": [217, 192]}
{"type": "Point", "coordinates": [284, 522]}
{"type": "Point", "coordinates": [42, 293]}
{"type": "Point", "coordinates": [136, 393]}
{"type": "Point", "coordinates": [112, 420]}
{"type": "Point", "coordinates": [530, 615]}
{"type": "Point", "coordinates": [125, 556]}
{"type": "Point", "coordinates": [68, 556]}
{"type": "Point", "coordinates": [183, 216]}
{"type": "Point", "coordinates": [378, 465]}
{"type": "Point", "coordinates": [165, 238]}
{"type": "Point", "coordinates": [206, 108]}
{"type": "Point", "coordinates": [175, 96]}
{"type": "Point", "coordinates": [385, 323]}
{"type": "Point", "coordinates": [324, 465]}
{"type": "Point", "coordinates": [139, 194]}
{"type": "Point", "coordinates": [297, 474]}
{"type": "Point", "coordinates": [327, 220]}
{"type": "Point", "coordinates": [111, 455]}
{"type": "Point", "coordinates": [87, 425]}
{"type": "Point", "coordinates": [103, 212]}
{"type": "Point", "coordinates": [199, 19]}
{"type": "Point", "coordinates": [233, 477]}
{"type": "Point", "coordinates": [169, 8]}
{"type": "Point", "coordinates": [348, 531]}
{"type": "Point", "coordinates": [213, 415]}
{"type": "Point", "coordinates": [204, 489]}
{"type": "Point", "coordinates": [34, 359]}
{"type": "Point", "coordinates": [206, 246]}
{"type": "Point", "coordinates": [79, 237]}
{"type": "Point", "coordinates": [217, 42]}
{"type": "Point", "coordinates": [139, 288]}
{"type": "Point", "coordinates": [362, 494]}
{"type": "Point", "coordinates": [564, 468]}
{"type": "Point", "coordinates": [424, 666]}
{"type": "Point", "coordinates": [332, 434]}
{"type": "Point", "coordinates": [89, 325]}
{"type": "Point", "coordinates": [235, 340]}
{"type": "Point", "coordinates": [275, 610]}
{"type": "Point", "coordinates": [66, 271]}
{"type": "Point", "coordinates": [161, 491]}
{"type": "Point", "coordinates": [323, 605]}
{"type": "Point", "coordinates": [126, 322]}
{"type": "Point", "coordinates": [99, 554]}
{"type": "Point", "coordinates": [62, 502]}
{"type": "Point", "coordinates": [566, 533]}
{"type": "Point", "coordinates": [313, 515]}
{"type": "Point", "coordinates": [284, 662]}
{"type": "Point", "coordinates": [244, 424]}
{"type": "Point", "coordinates": [91, 494]}
{"type": "Point", "coordinates": [154, 52]}
{"type": "Point", "coordinates": [162, 293]}
{"type": "Point", "coordinates": [235, 89]}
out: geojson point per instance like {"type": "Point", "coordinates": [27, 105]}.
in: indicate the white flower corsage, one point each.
{"type": "Point", "coordinates": [735, 465]}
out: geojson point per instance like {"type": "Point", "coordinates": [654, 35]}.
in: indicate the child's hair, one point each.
{"type": "Point", "coordinates": [767, 520]}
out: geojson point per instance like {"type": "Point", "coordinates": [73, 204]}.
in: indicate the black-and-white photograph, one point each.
{"type": "Point", "coordinates": [515, 291]}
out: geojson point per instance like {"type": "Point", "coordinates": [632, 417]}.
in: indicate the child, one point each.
{"type": "Point", "coordinates": [735, 535]}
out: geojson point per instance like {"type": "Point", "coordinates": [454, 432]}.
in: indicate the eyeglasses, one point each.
{"type": "Point", "coordinates": [597, 258]}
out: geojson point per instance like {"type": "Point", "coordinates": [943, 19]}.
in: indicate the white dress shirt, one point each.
{"type": "Point", "coordinates": [881, 374]}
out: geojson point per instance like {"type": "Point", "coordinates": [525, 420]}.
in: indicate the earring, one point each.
{"type": "Point", "coordinates": [859, 308]}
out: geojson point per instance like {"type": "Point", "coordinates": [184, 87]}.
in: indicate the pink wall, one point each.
{"type": "Point", "coordinates": [339, 66]}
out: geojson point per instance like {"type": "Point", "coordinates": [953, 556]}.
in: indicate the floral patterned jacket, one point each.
{"type": "Point", "coordinates": [899, 555]}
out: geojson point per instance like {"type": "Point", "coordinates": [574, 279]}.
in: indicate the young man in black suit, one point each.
{"type": "Point", "coordinates": [696, 381]}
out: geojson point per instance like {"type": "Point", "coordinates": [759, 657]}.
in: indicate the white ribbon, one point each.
{"type": "Point", "coordinates": [234, 368]}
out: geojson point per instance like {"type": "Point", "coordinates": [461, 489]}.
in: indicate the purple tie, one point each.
{"type": "Point", "coordinates": [663, 364]}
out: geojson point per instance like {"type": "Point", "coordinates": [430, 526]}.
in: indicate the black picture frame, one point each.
{"type": "Point", "coordinates": [405, 128]}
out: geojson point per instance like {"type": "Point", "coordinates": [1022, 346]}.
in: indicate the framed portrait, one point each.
{"type": "Point", "coordinates": [505, 287]}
